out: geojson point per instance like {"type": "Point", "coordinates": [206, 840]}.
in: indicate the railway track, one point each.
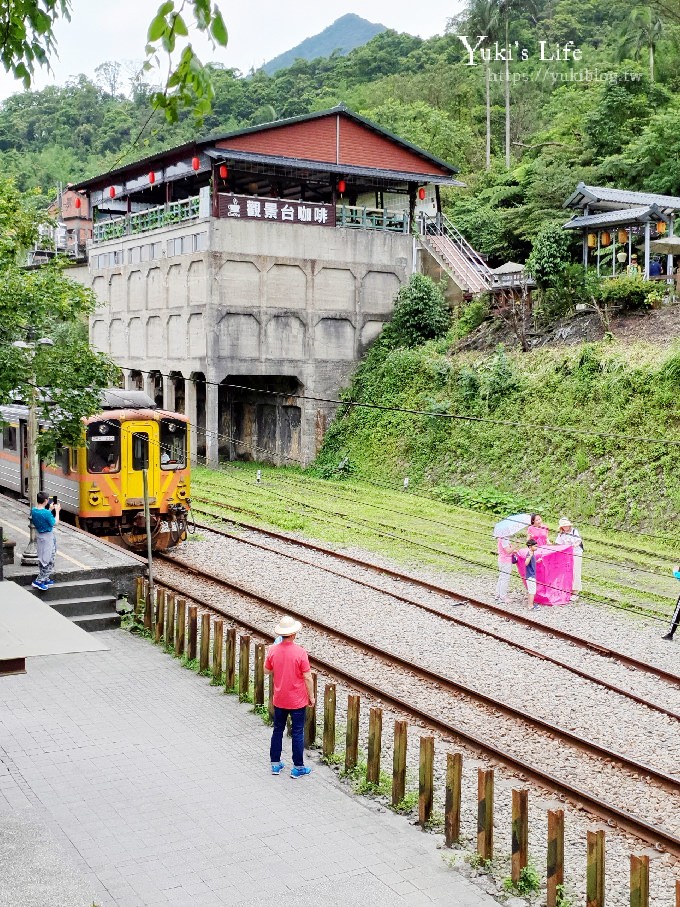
{"type": "Point", "coordinates": [534, 625]}
{"type": "Point", "coordinates": [410, 689]}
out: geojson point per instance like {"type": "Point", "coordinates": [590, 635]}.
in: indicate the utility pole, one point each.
{"type": "Point", "coordinates": [29, 558]}
{"type": "Point", "coordinates": [147, 522]}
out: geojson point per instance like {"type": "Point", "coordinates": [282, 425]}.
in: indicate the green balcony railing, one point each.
{"type": "Point", "coordinates": [372, 218]}
{"type": "Point", "coordinates": [144, 221]}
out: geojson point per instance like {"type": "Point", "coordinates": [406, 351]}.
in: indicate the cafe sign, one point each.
{"type": "Point", "coordinates": [278, 210]}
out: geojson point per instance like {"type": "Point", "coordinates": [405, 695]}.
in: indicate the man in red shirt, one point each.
{"type": "Point", "coordinates": [293, 692]}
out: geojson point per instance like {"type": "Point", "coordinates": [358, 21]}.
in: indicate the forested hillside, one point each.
{"type": "Point", "coordinates": [612, 116]}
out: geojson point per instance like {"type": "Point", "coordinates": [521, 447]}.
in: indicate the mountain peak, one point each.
{"type": "Point", "coordinates": [342, 36]}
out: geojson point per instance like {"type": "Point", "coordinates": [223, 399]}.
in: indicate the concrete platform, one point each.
{"type": "Point", "coordinates": [128, 781]}
{"type": "Point", "coordinates": [30, 627]}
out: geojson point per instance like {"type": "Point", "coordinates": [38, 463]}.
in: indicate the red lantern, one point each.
{"type": "Point", "coordinates": [152, 177]}
{"type": "Point", "coordinates": [224, 173]}
{"type": "Point", "coordinates": [421, 193]}
{"type": "Point", "coordinates": [342, 185]}
{"type": "Point", "coordinates": [77, 203]}
{"type": "Point", "coordinates": [112, 192]}
{"type": "Point", "coordinates": [195, 163]}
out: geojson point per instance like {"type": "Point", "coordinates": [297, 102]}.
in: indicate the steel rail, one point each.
{"type": "Point", "coordinates": [647, 831]}
{"type": "Point", "coordinates": [580, 641]}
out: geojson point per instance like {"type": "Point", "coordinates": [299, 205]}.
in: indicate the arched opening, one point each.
{"type": "Point", "coordinates": [177, 380]}
{"type": "Point", "coordinates": [156, 388]}
{"type": "Point", "coordinates": [260, 418]}
{"type": "Point", "coordinates": [199, 382]}
{"type": "Point", "coordinates": [136, 381]}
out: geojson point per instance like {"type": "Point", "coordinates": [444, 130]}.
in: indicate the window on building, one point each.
{"type": "Point", "coordinates": [9, 437]}
{"type": "Point", "coordinates": [140, 450]}
{"type": "Point", "coordinates": [134, 255]}
{"type": "Point", "coordinates": [173, 444]}
{"type": "Point", "coordinates": [200, 242]}
{"type": "Point", "coordinates": [155, 250]}
{"type": "Point", "coordinates": [103, 447]}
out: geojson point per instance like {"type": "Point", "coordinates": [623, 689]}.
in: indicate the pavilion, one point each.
{"type": "Point", "coordinates": [616, 222]}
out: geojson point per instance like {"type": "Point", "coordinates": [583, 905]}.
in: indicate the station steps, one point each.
{"type": "Point", "coordinates": [89, 603]}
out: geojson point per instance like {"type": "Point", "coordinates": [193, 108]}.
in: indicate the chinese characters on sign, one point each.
{"type": "Point", "coordinates": [244, 207]}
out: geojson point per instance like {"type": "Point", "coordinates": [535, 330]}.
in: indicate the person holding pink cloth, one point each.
{"type": "Point", "coordinates": [537, 531]}
{"type": "Point", "coordinates": [505, 552]}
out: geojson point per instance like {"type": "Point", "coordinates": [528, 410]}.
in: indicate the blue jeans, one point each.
{"type": "Point", "coordinates": [280, 718]}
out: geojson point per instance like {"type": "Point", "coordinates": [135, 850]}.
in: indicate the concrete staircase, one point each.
{"type": "Point", "coordinates": [90, 602]}
{"type": "Point", "coordinates": [454, 254]}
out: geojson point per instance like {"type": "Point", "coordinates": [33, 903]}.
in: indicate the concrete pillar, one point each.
{"type": "Point", "coordinates": [130, 381]}
{"type": "Point", "coordinates": [192, 414]}
{"type": "Point", "coordinates": [149, 384]}
{"type": "Point", "coordinates": [212, 426]}
{"type": "Point", "coordinates": [648, 228]}
{"type": "Point", "coordinates": [168, 394]}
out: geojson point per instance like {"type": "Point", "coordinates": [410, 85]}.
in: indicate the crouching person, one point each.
{"type": "Point", "coordinates": [293, 692]}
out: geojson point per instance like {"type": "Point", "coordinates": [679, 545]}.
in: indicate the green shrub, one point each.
{"type": "Point", "coordinates": [631, 293]}
{"type": "Point", "coordinates": [549, 256]}
{"type": "Point", "coordinates": [473, 314]}
{"type": "Point", "coordinates": [420, 313]}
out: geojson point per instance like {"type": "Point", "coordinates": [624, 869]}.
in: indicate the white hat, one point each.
{"type": "Point", "coordinates": [287, 626]}
{"type": "Point", "coordinates": [563, 523]}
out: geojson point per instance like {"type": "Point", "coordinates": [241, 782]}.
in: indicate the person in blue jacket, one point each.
{"type": "Point", "coordinates": [44, 518]}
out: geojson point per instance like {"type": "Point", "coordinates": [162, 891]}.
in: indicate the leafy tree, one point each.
{"type": "Point", "coordinates": [420, 313]}
{"type": "Point", "coordinates": [643, 32]}
{"type": "Point", "coordinates": [45, 302]}
{"type": "Point", "coordinates": [549, 256]}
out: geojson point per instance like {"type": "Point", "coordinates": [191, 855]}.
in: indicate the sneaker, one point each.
{"type": "Point", "coordinates": [49, 582]}
{"type": "Point", "coordinates": [298, 772]}
{"type": "Point", "coordinates": [536, 608]}
{"type": "Point", "coordinates": [42, 586]}
{"type": "Point", "coordinates": [277, 768]}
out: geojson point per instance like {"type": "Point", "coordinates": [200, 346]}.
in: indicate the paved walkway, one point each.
{"type": "Point", "coordinates": [125, 780]}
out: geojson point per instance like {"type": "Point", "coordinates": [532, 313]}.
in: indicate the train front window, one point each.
{"type": "Point", "coordinates": [103, 447]}
{"type": "Point", "coordinates": [140, 450]}
{"type": "Point", "coordinates": [173, 444]}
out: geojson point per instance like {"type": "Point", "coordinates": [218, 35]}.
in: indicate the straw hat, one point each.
{"type": "Point", "coordinates": [564, 523]}
{"type": "Point", "coordinates": [287, 626]}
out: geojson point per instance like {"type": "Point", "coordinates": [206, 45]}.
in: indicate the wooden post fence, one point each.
{"type": "Point", "coordinates": [160, 616]}
{"type": "Point", "coordinates": [520, 832]}
{"type": "Point", "coordinates": [374, 746]}
{"type": "Point", "coordinates": [328, 747]}
{"type": "Point", "coordinates": [352, 736]}
{"type": "Point", "coordinates": [230, 670]}
{"type": "Point", "coordinates": [485, 813]}
{"type": "Point", "coordinates": [170, 620]}
{"type": "Point", "coordinates": [258, 694]}
{"type": "Point", "coordinates": [399, 762]}
{"type": "Point", "coordinates": [639, 881]}
{"type": "Point", "coordinates": [595, 869]}
{"type": "Point", "coordinates": [454, 782]}
{"type": "Point", "coordinates": [205, 642]}
{"type": "Point", "coordinates": [244, 667]}
{"type": "Point", "coordinates": [218, 637]}
{"type": "Point", "coordinates": [555, 855]}
{"type": "Point", "coordinates": [426, 779]}
{"type": "Point", "coordinates": [310, 719]}
{"type": "Point", "coordinates": [193, 632]}
{"type": "Point", "coordinates": [140, 595]}
{"type": "Point", "coordinates": [148, 609]}
{"type": "Point", "coordinates": [270, 704]}
{"type": "Point", "coordinates": [180, 628]}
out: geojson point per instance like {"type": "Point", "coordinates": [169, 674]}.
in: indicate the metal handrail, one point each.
{"type": "Point", "coordinates": [472, 263]}
{"type": "Point", "coordinates": [144, 221]}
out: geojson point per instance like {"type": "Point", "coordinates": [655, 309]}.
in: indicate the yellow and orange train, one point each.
{"type": "Point", "coordinates": [100, 483]}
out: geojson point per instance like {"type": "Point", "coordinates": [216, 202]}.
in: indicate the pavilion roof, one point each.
{"type": "Point", "coordinates": [605, 198]}
{"type": "Point", "coordinates": [617, 218]}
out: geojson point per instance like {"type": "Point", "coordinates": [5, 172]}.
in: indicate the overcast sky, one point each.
{"type": "Point", "coordinates": [102, 30]}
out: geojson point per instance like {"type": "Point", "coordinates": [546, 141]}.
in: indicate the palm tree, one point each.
{"type": "Point", "coordinates": [645, 27]}
{"type": "Point", "coordinates": [484, 19]}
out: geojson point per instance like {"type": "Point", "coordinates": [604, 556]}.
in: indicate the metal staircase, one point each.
{"type": "Point", "coordinates": [453, 252]}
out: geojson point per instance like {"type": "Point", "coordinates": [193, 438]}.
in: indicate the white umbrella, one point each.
{"type": "Point", "coordinates": [511, 525]}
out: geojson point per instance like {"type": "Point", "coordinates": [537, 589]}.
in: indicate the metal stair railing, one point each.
{"type": "Point", "coordinates": [447, 243]}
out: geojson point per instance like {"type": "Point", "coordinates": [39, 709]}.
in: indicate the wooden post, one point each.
{"type": "Point", "coordinates": [244, 667]}
{"type": "Point", "coordinates": [310, 719]}
{"type": "Point", "coordinates": [595, 869]}
{"type": "Point", "coordinates": [259, 674]}
{"type": "Point", "coordinates": [485, 813]}
{"type": "Point", "coordinates": [426, 779]}
{"type": "Point", "coordinates": [639, 881]}
{"type": "Point", "coordinates": [399, 762]}
{"type": "Point", "coordinates": [270, 704]}
{"type": "Point", "coordinates": [180, 627]}
{"type": "Point", "coordinates": [193, 632]}
{"type": "Point", "coordinates": [140, 594]}
{"type": "Point", "coordinates": [328, 720]}
{"type": "Point", "coordinates": [170, 622]}
{"type": "Point", "coordinates": [677, 881]}
{"type": "Point", "coordinates": [230, 670]}
{"type": "Point", "coordinates": [160, 616]}
{"type": "Point", "coordinates": [148, 609]}
{"type": "Point", "coordinates": [454, 782]}
{"type": "Point", "coordinates": [352, 736]}
{"type": "Point", "coordinates": [205, 642]}
{"type": "Point", "coordinates": [520, 832]}
{"type": "Point", "coordinates": [374, 746]}
{"type": "Point", "coordinates": [218, 637]}
{"type": "Point", "coordinates": [555, 854]}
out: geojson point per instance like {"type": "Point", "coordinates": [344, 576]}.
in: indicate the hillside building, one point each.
{"type": "Point", "coordinates": [242, 277]}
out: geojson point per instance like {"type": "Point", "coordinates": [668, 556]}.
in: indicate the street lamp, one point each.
{"type": "Point", "coordinates": [30, 556]}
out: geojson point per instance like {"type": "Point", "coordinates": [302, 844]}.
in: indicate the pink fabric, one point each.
{"type": "Point", "coordinates": [540, 533]}
{"type": "Point", "coordinates": [503, 555]}
{"type": "Point", "coordinates": [554, 573]}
